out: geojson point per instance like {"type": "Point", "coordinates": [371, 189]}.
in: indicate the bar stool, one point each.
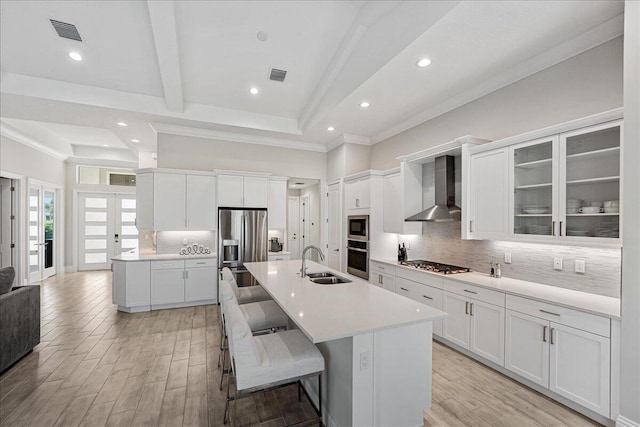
{"type": "Point", "coordinates": [245, 294]}
{"type": "Point", "coordinates": [262, 317]}
{"type": "Point", "coordinates": [263, 363]}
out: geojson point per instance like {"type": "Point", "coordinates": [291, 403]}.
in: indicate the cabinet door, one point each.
{"type": "Point", "coordinates": [352, 195]}
{"type": "Point", "coordinates": [489, 195]}
{"type": "Point", "coordinates": [580, 367]}
{"type": "Point", "coordinates": [138, 280]}
{"type": "Point", "coordinates": [392, 220]}
{"type": "Point", "coordinates": [167, 286]}
{"type": "Point", "coordinates": [527, 347]}
{"type": "Point", "coordinates": [279, 257]}
{"type": "Point", "coordinates": [364, 192]}
{"type": "Point", "coordinates": [277, 204]}
{"type": "Point", "coordinates": [255, 192]}
{"type": "Point", "coordinates": [456, 325]}
{"type": "Point", "coordinates": [200, 284]}
{"type": "Point", "coordinates": [170, 200]}
{"type": "Point", "coordinates": [201, 201]}
{"type": "Point", "coordinates": [230, 191]}
{"type": "Point", "coordinates": [384, 281]}
{"type": "Point", "coordinates": [487, 331]}
{"type": "Point", "coordinates": [144, 202]}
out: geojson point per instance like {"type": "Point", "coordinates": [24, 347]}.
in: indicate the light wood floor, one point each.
{"type": "Point", "coordinates": [96, 367]}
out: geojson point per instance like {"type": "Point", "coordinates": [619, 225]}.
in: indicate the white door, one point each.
{"type": "Point", "coordinates": [487, 331]}
{"type": "Point", "coordinates": [334, 227]}
{"type": "Point", "coordinates": [293, 226]}
{"type": "Point", "coordinates": [305, 223]}
{"type": "Point", "coordinates": [527, 347]}
{"type": "Point", "coordinates": [42, 251]}
{"type": "Point", "coordinates": [579, 367]}
{"type": "Point", "coordinates": [106, 228]}
{"type": "Point", "coordinates": [456, 324]}
{"type": "Point", "coordinates": [6, 223]}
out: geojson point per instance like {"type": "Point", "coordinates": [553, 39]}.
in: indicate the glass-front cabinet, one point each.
{"type": "Point", "coordinates": [567, 187]}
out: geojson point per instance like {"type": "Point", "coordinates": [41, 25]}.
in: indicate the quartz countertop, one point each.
{"type": "Point", "coordinates": [136, 256]}
{"type": "Point", "coordinates": [583, 301]}
{"type": "Point", "coordinates": [330, 312]}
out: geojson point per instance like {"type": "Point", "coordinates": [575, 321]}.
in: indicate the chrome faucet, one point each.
{"type": "Point", "coordinates": [303, 270]}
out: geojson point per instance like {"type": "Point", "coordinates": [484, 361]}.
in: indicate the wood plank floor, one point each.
{"type": "Point", "coordinates": [98, 367]}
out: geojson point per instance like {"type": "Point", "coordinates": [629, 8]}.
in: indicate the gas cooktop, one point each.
{"type": "Point", "coordinates": [435, 267]}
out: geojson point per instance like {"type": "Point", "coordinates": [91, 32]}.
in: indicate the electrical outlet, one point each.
{"type": "Point", "coordinates": [507, 257]}
{"type": "Point", "coordinates": [581, 266]}
{"type": "Point", "coordinates": [557, 263]}
{"type": "Point", "coordinates": [184, 241]}
{"type": "Point", "coordinates": [364, 360]}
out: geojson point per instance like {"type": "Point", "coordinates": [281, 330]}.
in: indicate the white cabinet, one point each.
{"type": "Point", "coordinates": [167, 285]}
{"type": "Point", "coordinates": [178, 281]}
{"type": "Point", "coordinates": [279, 256]}
{"type": "Point", "coordinates": [277, 204]}
{"type": "Point", "coordinates": [384, 281]}
{"type": "Point", "coordinates": [402, 197]}
{"type": "Point", "coordinates": [201, 277]}
{"type": "Point", "coordinates": [237, 191]}
{"type": "Point", "coordinates": [358, 193]}
{"type": "Point", "coordinates": [131, 284]}
{"type": "Point", "coordinates": [457, 325]}
{"type": "Point", "coordinates": [488, 188]}
{"type": "Point", "coordinates": [572, 359]}
{"type": "Point", "coordinates": [171, 200]}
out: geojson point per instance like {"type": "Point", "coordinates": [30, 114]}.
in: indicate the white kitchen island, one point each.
{"type": "Point", "coordinates": [376, 344]}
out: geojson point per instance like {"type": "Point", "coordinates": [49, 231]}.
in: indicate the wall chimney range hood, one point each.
{"type": "Point", "coordinates": [445, 209]}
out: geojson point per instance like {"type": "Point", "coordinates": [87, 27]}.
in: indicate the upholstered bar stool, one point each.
{"type": "Point", "coordinates": [245, 294]}
{"type": "Point", "coordinates": [263, 363]}
{"type": "Point", "coordinates": [262, 317]}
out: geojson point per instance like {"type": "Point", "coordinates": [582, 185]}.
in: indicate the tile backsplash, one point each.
{"type": "Point", "coordinates": [441, 242]}
{"type": "Point", "coordinates": [170, 242]}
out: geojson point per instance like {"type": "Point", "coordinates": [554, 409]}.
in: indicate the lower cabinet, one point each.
{"type": "Point", "coordinates": [200, 284]}
{"type": "Point", "coordinates": [131, 284]}
{"type": "Point", "coordinates": [275, 256]}
{"type": "Point", "coordinates": [167, 286]}
{"type": "Point", "coordinates": [385, 281]}
{"type": "Point", "coordinates": [174, 282]}
{"type": "Point", "coordinates": [424, 294]}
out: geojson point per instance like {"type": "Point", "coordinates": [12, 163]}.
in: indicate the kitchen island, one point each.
{"type": "Point", "coordinates": [377, 345]}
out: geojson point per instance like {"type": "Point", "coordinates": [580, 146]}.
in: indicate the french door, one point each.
{"type": "Point", "coordinates": [106, 228]}
{"type": "Point", "coordinates": [42, 227]}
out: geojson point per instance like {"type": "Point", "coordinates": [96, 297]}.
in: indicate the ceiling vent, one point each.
{"type": "Point", "coordinates": [277, 75]}
{"type": "Point", "coordinates": [65, 30]}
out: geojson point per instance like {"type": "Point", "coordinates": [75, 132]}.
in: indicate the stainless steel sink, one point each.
{"type": "Point", "coordinates": [326, 278]}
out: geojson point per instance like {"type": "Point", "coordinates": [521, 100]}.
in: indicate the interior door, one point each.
{"type": "Point", "coordinates": [41, 233]}
{"type": "Point", "coordinates": [334, 225]}
{"type": "Point", "coordinates": [6, 224]}
{"type": "Point", "coordinates": [293, 226]}
{"type": "Point", "coordinates": [305, 225]}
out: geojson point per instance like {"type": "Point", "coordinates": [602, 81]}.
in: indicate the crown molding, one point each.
{"type": "Point", "coordinates": [236, 137]}
{"type": "Point", "coordinates": [14, 134]}
{"type": "Point", "coordinates": [601, 34]}
{"type": "Point", "coordinates": [348, 138]}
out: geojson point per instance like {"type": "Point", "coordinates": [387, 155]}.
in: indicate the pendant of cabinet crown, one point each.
{"type": "Point", "coordinates": [562, 187]}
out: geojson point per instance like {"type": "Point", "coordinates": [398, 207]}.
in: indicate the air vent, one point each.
{"type": "Point", "coordinates": [277, 75]}
{"type": "Point", "coordinates": [65, 30]}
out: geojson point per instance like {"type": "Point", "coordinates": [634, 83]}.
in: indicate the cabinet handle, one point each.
{"type": "Point", "coordinates": [471, 309]}
{"type": "Point", "coordinates": [202, 262]}
{"type": "Point", "coordinates": [560, 233]}
{"type": "Point", "coordinates": [471, 226]}
{"type": "Point", "coordinates": [466, 308]}
{"type": "Point", "coordinates": [424, 296]}
{"type": "Point", "coordinates": [553, 228]}
{"type": "Point", "coordinates": [357, 203]}
{"type": "Point", "coordinates": [471, 292]}
{"type": "Point", "coordinates": [404, 289]}
{"type": "Point", "coordinates": [552, 336]}
{"type": "Point", "coordinates": [544, 334]}
{"type": "Point", "coordinates": [549, 312]}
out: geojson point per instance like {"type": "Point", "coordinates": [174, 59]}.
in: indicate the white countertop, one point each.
{"type": "Point", "coordinates": [591, 303]}
{"type": "Point", "coordinates": [136, 256]}
{"type": "Point", "coordinates": [330, 312]}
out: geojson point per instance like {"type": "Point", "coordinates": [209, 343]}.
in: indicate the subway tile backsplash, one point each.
{"type": "Point", "coordinates": [441, 242]}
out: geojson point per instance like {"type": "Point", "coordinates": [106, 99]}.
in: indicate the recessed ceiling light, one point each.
{"type": "Point", "coordinates": [254, 91]}
{"type": "Point", "coordinates": [105, 145]}
{"type": "Point", "coordinates": [364, 104]}
{"type": "Point", "coordinates": [135, 140]}
{"type": "Point", "coordinates": [262, 36]}
{"type": "Point", "coordinates": [331, 128]}
{"type": "Point", "coordinates": [75, 56]}
{"type": "Point", "coordinates": [123, 124]}
{"type": "Point", "coordinates": [424, 62]}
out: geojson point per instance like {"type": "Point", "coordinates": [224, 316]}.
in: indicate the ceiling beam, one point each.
{"type": "Point", "coordinates": [165, 36]}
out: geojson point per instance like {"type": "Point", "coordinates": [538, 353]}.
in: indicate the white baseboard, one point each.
{"type": "Point", "coordinates": [625, 422]}
{"type": "Point", "coordinates": [70, 269]}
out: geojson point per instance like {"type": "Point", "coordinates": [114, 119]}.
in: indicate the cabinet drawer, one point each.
{"type": "Point", "coordinates": [282, 257]}
{"type": "Point", "coordinates": [167, 265]}
{"type": "Point", "coordinates": [562, 315]}
{"type": "Point", "coordinates": [475, 292]}
{"type": "Point", "coordinates": [378, 267]}
{"type": "Point", "coordinates": [202, 262]}
{"type": "Point", "coordinates": [420, 277]}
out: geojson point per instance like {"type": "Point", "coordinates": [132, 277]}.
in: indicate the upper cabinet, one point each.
{"type": "Point", "coordinates": [175, 200]}
{"type": "Point", "coordinates": [564, 187]}
{"type": "Point", "coordinates": [402, 195]}
{"type": "Point", "coordinates": [277, 203]}
{"type": "Point", "coordinates": [358, 193]}
{"type": "Point", "coordinates": [238, 191]}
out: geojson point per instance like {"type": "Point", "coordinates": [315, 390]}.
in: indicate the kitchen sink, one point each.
{"type": "Point", "coordinates": [326, 278]}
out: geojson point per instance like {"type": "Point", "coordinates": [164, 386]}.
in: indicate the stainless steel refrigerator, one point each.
{"type": "Point", "coordinates": [242, 237]}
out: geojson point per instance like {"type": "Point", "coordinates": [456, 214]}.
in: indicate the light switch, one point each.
{"type": "Point", "coordinates": [557, 263]}
{"type": "Point", "coordinates": [507, 257]}
{"type": "Point", "coordinates": [580, 266]}
{"type": "Point", "coordinates": [184, 241]}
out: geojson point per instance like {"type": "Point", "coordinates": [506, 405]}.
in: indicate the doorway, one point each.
{"type": "Point", "coordinates": [7, 221]}
{"type": "Point", "coordinates": [293, 226]}
{"type": "Point", "coordinates": [42, 232]}
{"type": "Point", "coordinates": [334, 225]}
{"type": "Point", "coordinates": [106, 228]}
{"type": "Point", "coordinates": [303, 216]}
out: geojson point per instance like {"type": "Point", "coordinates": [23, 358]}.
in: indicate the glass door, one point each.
{"type": "Point", "coordinates": [534, 190]}
{"type": "Point", "coordinates": [35, 235]}
{"type": "Point", "coordinates": [591, 182]}
{"type": "Point", "coordinates": [42, 249]}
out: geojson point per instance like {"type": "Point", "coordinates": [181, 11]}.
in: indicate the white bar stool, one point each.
{"type": "Point", "coordinates": [245, 294]}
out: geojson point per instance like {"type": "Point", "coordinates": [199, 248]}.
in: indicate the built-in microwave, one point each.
{"type": "Point", "coordinates": [358, 227]}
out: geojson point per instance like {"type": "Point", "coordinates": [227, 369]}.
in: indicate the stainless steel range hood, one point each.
{"type": "Point", "coordinates": [445, 209]}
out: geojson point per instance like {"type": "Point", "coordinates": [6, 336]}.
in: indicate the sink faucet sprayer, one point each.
{"type": "Point", "coordinates": [303, 270]}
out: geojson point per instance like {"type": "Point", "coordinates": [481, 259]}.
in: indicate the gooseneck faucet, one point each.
{"type": "Point", "coordinates": [303, 270]}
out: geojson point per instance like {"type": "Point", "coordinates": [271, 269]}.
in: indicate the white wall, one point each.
{"type": "Point", "coordinates": [26, 161]}
{"type": "Point", "coordinates": [586, 84]}
{"type": "Point", "coordinates": [347, 159]}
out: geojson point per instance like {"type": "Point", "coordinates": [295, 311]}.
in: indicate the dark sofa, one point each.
{"type": "Point", "coordinates": [19, 323]}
